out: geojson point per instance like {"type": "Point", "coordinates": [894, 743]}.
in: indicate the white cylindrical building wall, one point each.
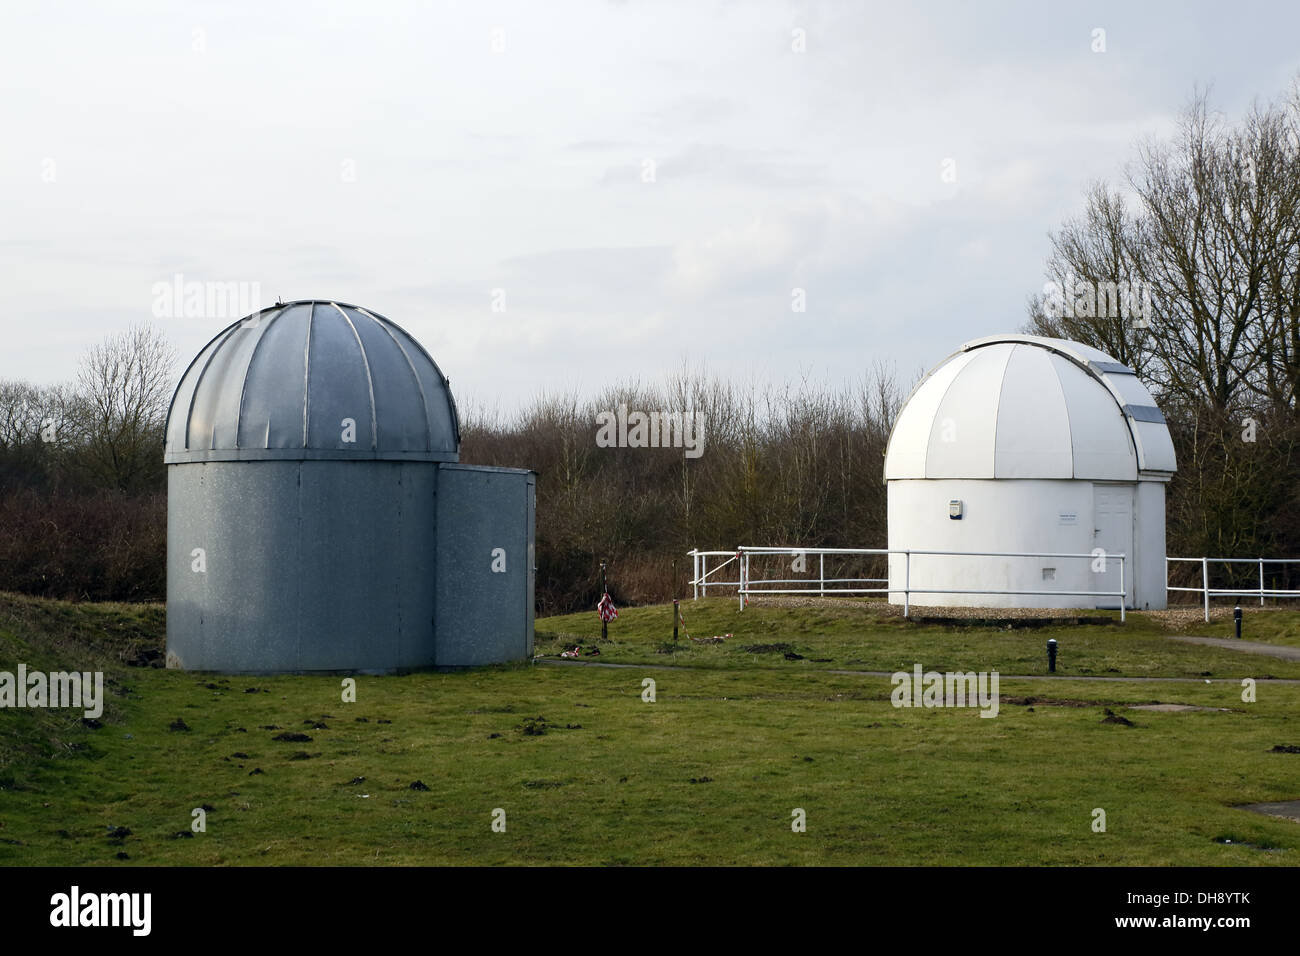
{"type": "Point", "coordinates": [1150, 576]}
{"type": "Point", "coordinates": [1049, 515]}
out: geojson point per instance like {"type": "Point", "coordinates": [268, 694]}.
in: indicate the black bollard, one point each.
{"type": "Point", "coordinates": [1236, 619]}
{"type": "Point", "coordinates": [676, 617]}
{"type": "Point", "coordinates": [1051, 655]}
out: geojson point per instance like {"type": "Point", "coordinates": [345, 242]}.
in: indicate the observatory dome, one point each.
{"type": "Point", "coordinates": [311, 380]}
{"type": "Point", "coordinates": [317, 516]}
{"type": "Point", "coordinates": [1027, 407]}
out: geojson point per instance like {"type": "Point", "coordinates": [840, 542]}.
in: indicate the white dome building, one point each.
{"type": "Point", "coordinates": [1017, 443]}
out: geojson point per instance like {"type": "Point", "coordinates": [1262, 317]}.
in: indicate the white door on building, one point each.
{"type": "Point", "coordinates": [1112, 512]}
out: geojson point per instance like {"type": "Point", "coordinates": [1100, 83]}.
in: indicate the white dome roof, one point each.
{"type": "Point", "coordinates": [1022, 406]}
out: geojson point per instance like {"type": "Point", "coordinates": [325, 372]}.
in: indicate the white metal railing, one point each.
{"type": "Point", "coordinates": [1207, 592]}
{"type": "Point", "coordinates": [744, 584]}
{"type": "Point", "coordinates": [701, 570]}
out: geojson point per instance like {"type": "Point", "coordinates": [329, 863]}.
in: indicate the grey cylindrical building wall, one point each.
{"type": "Point", "coordinates": [303, 446]}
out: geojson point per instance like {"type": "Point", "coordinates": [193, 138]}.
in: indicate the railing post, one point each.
{"type": "Point", "coordinates": [821, 574]}
{"type": "Point", "coordinates": [744, 597]}
{"type": "Point", "coordinates": [907, 583]}
{"type": "Point", "coordinates": [695, 572]}
{"type": "Point", "coordinates": [1123, 591]}
{"type": "Point", "coordinates": [740, 579]}
{"type": "Point", "coordinates": [1205, 585]}
{"type": "Point", "coordinates": [1261, 582]}
{"type": "Point", "coordinates": [704, 574]}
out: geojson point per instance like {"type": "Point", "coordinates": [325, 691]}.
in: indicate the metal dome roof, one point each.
{"type": "Point", "coordinates": [298, 380]}
{"type": "Point", "coordinates": [1024, 406]}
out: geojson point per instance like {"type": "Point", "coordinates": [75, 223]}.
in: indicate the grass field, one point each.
{"type": "Point", "coordinates": [864, 635]}
{"type": "Point", "coordinates": [587, 772]}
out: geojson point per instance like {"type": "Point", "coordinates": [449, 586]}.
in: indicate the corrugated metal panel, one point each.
{"type": "Point", "coordinates": [178, 422]}
{"type": "Point", "coordinates": [274, 388]}
{"type": "Point", "coordinates": [338, 386]}
{"type": "Point", "coordinates": [310, 566]}
{"type": "Point", "coordinates": [444, 425]}
{"type": "Point", "coordinates": [278, 386]}
{"type": "Point", "coordinates": [215, 411]}
{"type": "Point", "coordinates": [395, 385]}
{"type": "Point", "coordinates": [1033, 433]}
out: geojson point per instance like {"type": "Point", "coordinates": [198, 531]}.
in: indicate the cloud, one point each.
{"type": "Point", "coordinates": [522, 170]}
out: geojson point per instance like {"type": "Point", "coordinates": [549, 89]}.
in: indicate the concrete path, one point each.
{"type": "Point", "coordinates": [1058, 677]}
{"type": "Point", "coordinates": [1286, 809]}
{"type": "Point", "coordinates": [1245, 647]}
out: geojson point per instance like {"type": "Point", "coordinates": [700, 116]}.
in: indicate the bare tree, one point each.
{"type": "Point", "coordinates": [37, 434]}
{"type": "Point", "coordinates": [21, 410]}
{"type": "Point", "coordinates": [1212, 235]}
{"type": "Point", "coordinates": [124, 386]}
{"type": "Point", "coordinates": [1096, 253]}
{"type": "Point", "coordinates": [1275, 340]}
{"type": "Point", "coordinates": [1209, 224]}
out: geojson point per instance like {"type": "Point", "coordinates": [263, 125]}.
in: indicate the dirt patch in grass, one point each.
{"type": "Point", "coordinates": [1175, 708]}
{"type": "Point", "coordinates": [1229, 841]}
{"type": "Point", "coordinates": [1008, 621]}
{"type": "Point", "coordinates": [1053, 702]}
{"type": "Point", "coordinates": [534, 726]}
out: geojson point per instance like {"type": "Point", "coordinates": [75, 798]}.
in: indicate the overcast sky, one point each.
{"type": "Point", "coordinates": [412, 158]}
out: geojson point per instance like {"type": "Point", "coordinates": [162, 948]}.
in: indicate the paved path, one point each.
{"type": "Point", "coordinates": [1286, 809]}
{"type": "Point", "coordinates": [1246, 647]}
{"type": "Point", "coordinates": [1061, 677]}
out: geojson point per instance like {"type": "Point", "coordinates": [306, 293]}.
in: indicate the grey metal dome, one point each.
{"type": "Point", "coordinates": [309, 380]}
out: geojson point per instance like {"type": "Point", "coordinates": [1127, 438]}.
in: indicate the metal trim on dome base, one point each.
{"type": "Point", "coordinates": [305, 454]}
